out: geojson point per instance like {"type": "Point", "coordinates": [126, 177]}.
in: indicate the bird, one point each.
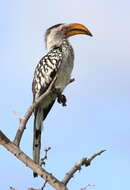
{"type": "Point", "coordinates": [58, 62]}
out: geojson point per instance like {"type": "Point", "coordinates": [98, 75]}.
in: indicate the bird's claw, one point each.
{"type": "Point", "coordinates": [62, 99]}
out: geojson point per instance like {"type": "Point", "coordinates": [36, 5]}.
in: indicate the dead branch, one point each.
{"type": "Point", "coordinates": [28, 114]}
{"type": "Point", "coordinates": [48, 177]}
{"type": "Point", "coordinates": [83, 162]}
{"type": "Point", "coordinates": [13, 147]}
{"type": "Point", "coordinates": [10, 146]}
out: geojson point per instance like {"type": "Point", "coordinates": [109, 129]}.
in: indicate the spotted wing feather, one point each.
{"type": "Point", "coordinates": [45, 72]}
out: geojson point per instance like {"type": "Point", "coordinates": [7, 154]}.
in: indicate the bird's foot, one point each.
{"type": "Point", "coordinates": [62, 99]}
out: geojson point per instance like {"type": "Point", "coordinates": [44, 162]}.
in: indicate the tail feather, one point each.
{"type": "Point", "coordinates": [38, 118]}
{"type": "Point", "coordinates": [39, 115]}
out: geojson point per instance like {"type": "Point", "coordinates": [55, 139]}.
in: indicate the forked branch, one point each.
{"type": "Point", "coordinates": [13, 147]}
{"type": "Point", "coordinates": [83, 162]}
{"type": "Point", "coordinates": [24, 120]}
{"type": "Point", "coordinates": [52, 180]}
{"type": "Point", "coordinates": [10, 146]}
{"type": "Point", "coordinates": [28, 114]}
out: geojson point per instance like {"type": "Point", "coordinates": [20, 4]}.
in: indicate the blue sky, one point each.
{"type": "Point", "coordinates": [98, 112]}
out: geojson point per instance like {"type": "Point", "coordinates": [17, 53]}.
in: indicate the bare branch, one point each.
{"type": "Point", "coordinates": [13, 147]}
{"type": "Point", "coordinates": [10, 146]}
{"type": "Point", "coordinates": [24, 120]}
{"type": "Point", "coordinates": [48, 177]}
{"type": "Point", "coordinates": [83, 162]}
{"type": "Point", "coordinates": [28, 114]}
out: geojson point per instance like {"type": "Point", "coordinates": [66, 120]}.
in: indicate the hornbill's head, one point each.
{"type": "Point", "coordinates": [57, 33]}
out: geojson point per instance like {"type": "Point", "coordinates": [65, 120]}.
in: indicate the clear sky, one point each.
{"type": "Point", "coordinates": [98, 112]}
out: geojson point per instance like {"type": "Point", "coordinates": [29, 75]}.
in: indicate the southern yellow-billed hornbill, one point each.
{"type": "Point", "coordinates": [58, 62]}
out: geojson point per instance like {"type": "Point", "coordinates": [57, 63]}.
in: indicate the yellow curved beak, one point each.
{"type": "Point", "coordinates": [75, 28]}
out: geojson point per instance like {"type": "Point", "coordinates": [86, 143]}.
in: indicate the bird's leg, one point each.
{"type": "Point", "coordinates": [60, 97]}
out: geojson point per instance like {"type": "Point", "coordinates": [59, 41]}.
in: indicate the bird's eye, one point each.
{"type": "Point", "coordinates": [63, 30]}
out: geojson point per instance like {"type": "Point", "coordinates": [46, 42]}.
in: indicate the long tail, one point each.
{"type": "Point", "coordinates": [40, 114]}
{"type": "Point", "coordinates": [38, 118]}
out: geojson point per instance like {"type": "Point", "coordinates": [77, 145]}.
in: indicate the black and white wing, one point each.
{"type": "Point", "coordinates": [45, 72]}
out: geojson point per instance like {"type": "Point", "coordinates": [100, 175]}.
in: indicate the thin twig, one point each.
{"type": "Point", "coordinates": [12, 188]}
{"type": "Point", "coordinates": [16, 115]}
{"type": "Point", "coordinates": [10, 146]}
{"type": "Point", "coordinates": [83, 162]}
{"type": "Point", "coordinates": [28, 114]}
{"type": "Point", "coordinates": [44, 185]}
{"type": "Point", "coordinates": [86, 187]}
{"type": "Point", "coordinates": [45, 157]}
{"type": "Point", "coordinates": [42, 188]}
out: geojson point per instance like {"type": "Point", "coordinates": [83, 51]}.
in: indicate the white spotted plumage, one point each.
{"type": "Point", "coordinates": [45, 71]}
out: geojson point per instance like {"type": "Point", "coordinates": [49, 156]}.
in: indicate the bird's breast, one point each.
{"type": "Point", "coordinates": [64, 73]}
